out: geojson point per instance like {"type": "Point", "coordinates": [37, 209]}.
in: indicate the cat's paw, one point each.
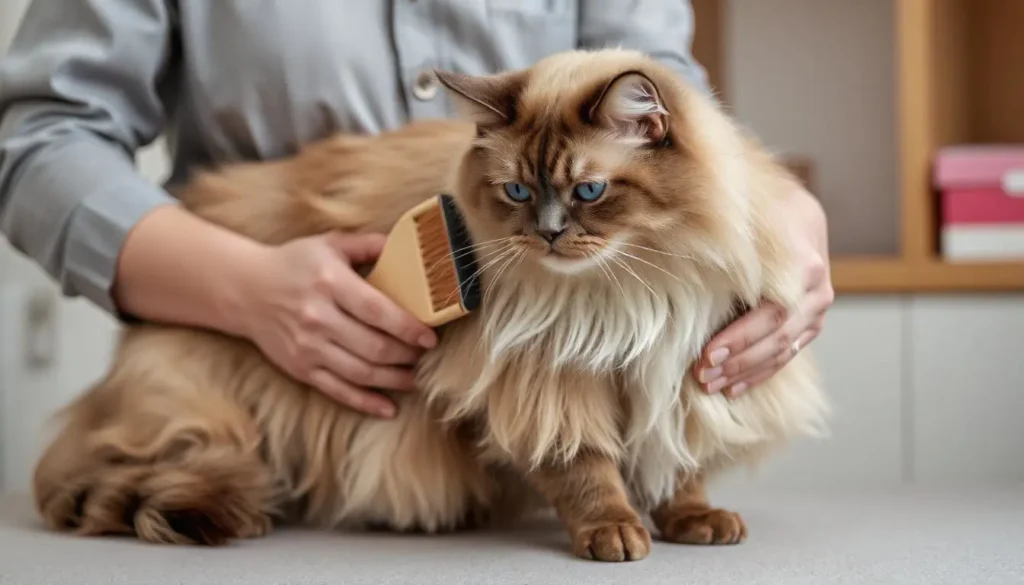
{"type": "Point", "coordinates": [620, 541]}
{"type": "Point", "coordinates": [714, 526]}
{"type": "Point", "coordinates": [258, 527]}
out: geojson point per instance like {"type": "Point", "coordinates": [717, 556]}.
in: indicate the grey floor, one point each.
{"type": "Point", "coordinates": [904, 536]}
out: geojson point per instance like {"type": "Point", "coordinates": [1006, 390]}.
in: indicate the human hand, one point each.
{"type": "Point", "coordinates": [313, 316]}
{"type": "Point", "coordinates": [757, 345]}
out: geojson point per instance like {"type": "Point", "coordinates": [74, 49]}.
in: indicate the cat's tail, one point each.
{"type": "Point", "coordinates": [169, 481]}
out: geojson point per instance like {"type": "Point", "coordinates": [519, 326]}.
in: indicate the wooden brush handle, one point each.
{"type": "Point", "coordinates": [399, 271]}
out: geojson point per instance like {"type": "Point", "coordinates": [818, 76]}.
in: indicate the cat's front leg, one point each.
{"type": "Point", "coordinates": [590, 498]}
{"type": "Point", "coordinates": [688, 518]}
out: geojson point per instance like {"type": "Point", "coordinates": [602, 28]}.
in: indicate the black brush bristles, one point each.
{"type": "Point", "coordinates": [462, 254]}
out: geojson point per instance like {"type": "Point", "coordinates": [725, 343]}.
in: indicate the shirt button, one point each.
{"type": "Point", "coordinates": [426, 86]}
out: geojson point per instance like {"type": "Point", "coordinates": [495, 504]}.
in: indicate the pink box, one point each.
{"type": "Point", "coordinates": [981, 191]}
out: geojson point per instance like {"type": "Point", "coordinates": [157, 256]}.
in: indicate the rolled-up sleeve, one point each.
{"type": "Point", "coordinates": [663, 29]}
{"type": "Point", "coordinates": [78, 96]}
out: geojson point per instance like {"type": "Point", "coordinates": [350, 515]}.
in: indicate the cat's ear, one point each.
{"type": "Point", "coordinates": [488, 100]}
{"type": "Point", "coordinates": [630, 105]}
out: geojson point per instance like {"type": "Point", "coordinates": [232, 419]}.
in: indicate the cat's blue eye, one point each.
{"type": "Point", "coordinates": [517, 192]}
{"type": "Point", "coordinates": [589, 191]}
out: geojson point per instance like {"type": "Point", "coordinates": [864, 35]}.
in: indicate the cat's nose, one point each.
{"type": "Point", "coordinates": [551, 234]}
{"type": "Point", "coordinates": [551, 218]}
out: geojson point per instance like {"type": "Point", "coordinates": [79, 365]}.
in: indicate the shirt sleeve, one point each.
{"type": "Point", "coordinates": [78, 95]}
{"type": "Point", "coordinates": [663, 29]}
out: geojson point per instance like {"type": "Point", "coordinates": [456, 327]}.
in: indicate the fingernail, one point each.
{"type": "Point", "coordinates": [716, 385]}
{"type": "Point", "coordinates": [737, 389]}
{"type": "Point", "coordinates": [428, 340]}
{"type": "Point", "coordinates": [386, 410]}
{"type": "Point", "coordinates": [707, 375]}
{"type": "Point", "coordinates": [718, 356]}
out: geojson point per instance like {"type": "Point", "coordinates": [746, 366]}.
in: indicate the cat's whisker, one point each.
{"type": "Point", "coordinates": [467, 250]}
{"type": "Point", "coordinates": [505, 255]}
{"type": "Point", "coordinates": [519, 254]}
{"type": "Point", "coordinates": [596, 257]}
{"type": "Point", "coordinates": [507, 264]}
{"type": "Point", "coordinates": [700, 261]}
{"type": "Point", "coordinates": [652, 265]}
{"type": "Point", "coordinates": [630, 270]}
{"type": "Point", "coordinates": [491, 241]}
{"type": "Point", "coordinates": [615, 278]}
{"type": "Point", "coordinates": [521, 258]}
{"type": "Point", "coordinates": [616, 243]}
{"type": "Point", "coordinates": [480, 245]}
{"type": "Point", "coordinates": [602, 264]}
{"type": "Point", "coordinates": [509, 249]}
{"type": "Point", "coordinates": [491, 253]}
{"type": "Point", "coordinates": [656, 251]}
{"type": "Point", "coordinates": [500, 251]}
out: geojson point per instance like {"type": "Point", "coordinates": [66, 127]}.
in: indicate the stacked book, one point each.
{"type": "Point", "coordinates": [981, 190]}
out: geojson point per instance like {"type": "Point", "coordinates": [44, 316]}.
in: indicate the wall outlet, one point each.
{"type": "Point", "coordinates": [51, 349]}
{"type": "Point", "coordinates": [40, 330]}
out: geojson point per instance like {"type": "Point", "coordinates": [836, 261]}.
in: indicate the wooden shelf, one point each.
{"type": "Point", "coordinates": [958, 79]}
{"type": "Point", "coordinates": [895, 275]}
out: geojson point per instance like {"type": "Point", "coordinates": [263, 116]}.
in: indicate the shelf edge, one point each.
{"type": "Point", "coordinates": [881, 276]}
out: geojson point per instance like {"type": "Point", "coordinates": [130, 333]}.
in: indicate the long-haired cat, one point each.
{"type": "Point", "coordinates": [620, 219]}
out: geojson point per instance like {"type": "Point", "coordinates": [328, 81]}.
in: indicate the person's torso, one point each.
{"type": "Point", "coordinates": [256, 79]}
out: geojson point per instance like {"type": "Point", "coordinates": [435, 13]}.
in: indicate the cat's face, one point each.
{"type": "Point", "coordinates": [567, 197]}
{"type": "Point", "coordinates": [575, 165]}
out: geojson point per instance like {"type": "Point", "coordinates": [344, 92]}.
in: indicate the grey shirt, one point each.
{"type": "Point", "coordinates": [87, 82]}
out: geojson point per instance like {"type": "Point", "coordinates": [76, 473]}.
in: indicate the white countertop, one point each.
{"type": "Point", "coordinates": [904, 536]}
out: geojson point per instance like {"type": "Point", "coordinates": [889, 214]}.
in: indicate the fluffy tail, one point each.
{"type": "Point", "coordinates": [180, 482]}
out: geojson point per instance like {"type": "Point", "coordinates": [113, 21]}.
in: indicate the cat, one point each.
{"type": "Point", "coordinates": [620, 219]}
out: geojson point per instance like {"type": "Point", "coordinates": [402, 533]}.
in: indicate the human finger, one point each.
{"type": "Point", "coordinates": [739, 335]}
{"type": "Point", "coordinates": [357, 248]}
{"type": "Point", "coordinates": [811, 332]}
{"type": "Point", "coordinates": [764, 353]}
{"type": "Point", "coordinates": [359, 399]}
{"type": "Point", "coordinates": [753, 380]}
{"type": "Point", "coordinates": [358, 371]}
{"type": "Point", "coordinates": [772, 367]}
{"type": "Point", "coordinates": [367, 304]}
{"type": "Point", "coordinates": [746, 331]}
{"type": "Point", "coordinates": [365, 342]}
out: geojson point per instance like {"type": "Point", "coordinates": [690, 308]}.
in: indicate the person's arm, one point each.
{"type": "Point", "coordinates": [78, 95]}
{"type": "Point", "coordinates": [663, 29]}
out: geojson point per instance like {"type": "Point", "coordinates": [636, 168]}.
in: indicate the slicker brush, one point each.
{"type": "Point", "coordinates": [427, 265]}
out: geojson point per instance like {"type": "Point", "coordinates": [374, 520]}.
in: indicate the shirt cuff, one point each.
{"type": "Point", "coordinates": [97, 231]}
{"type": "Point", "coordinates": [95, 196]}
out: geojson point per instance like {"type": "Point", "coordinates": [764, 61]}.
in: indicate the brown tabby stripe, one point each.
{"type": "Point", "coordinates": [543, 166]}
{"type": "Point", "coordinates": [547, 158]}
{"type": "Point", "coordinates": [563, 167]}
{"type": "Point", "coordinates": [656, 199]}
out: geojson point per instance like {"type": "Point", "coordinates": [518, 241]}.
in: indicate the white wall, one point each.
{"type": "Point", "coordinates": [925, 389]}
{"type": "Point", "coordinates": [817, 77]}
